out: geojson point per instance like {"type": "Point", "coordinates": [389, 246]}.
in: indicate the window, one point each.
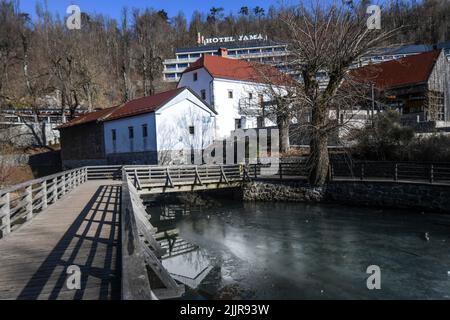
{"type": "Point", "coordinates": [191, 130]}
{"type": "Point", "coordinates": [113, 134]}
{"type": "Point", "coordinates": [237, 123]}
{"type": "Point", "coordinates": [260, 122]}
{"type": "Point", "coordinates": [144, 131]}
{"type": "Point", "coordinates": [195, 76]}
{"type": "Point", "coordinates": [230, 94]}
{"type": "Point", "coordinates": [250, 95]}
{"type": "Point", "coordinates": [261, 100]}
{"type": "Point", "coordinates": [203, 93]}
{"type": "Point", "coordinates": [131, 132]}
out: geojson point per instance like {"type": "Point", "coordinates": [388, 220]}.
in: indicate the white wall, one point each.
{"type": "Point", "coordinates": [168, 128]}
{"type": "Point", "coordinates": [228, 109]}
{"type": "Point", "coordinates": [174, 119]}
{"type": "Point", "coordinates": [217, 96]}
{"type": "Point", "coordinates": [123, 143]}
{"type": "Point", "coordinates": [204, 82]}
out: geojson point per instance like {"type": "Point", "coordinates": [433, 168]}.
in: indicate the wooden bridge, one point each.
{"type": "Point", "coordinates": [93, 218]}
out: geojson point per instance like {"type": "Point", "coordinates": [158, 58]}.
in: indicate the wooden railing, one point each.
{"type": "Point", "coordinates": [19, 203]}
{"type": "Point", "coordinates": [145, 176]}
{"type": "Point", "coordinates": [104, 172]}
{"type": "Point", "coordinates": [141, 253]}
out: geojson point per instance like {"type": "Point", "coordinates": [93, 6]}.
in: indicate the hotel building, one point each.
{"type": "Point", "coordinates": [263, 51]}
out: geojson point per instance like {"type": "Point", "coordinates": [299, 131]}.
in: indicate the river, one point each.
{"type": "Point", "coordinates": [234, 250]}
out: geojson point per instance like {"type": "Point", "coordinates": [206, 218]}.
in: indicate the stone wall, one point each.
{"type": "Point", "coordinates": [272, 190]}
{"type": "Point", "coordinates": [133, 158]}
{"type": "Point", "coordinates": [424, 197]}
{"type": "Point", "coordinates": [416, 196]}
{"type": "Point", "coordinates": [83, 142]}
{"type": "Point", "coordinates": [28, 135]}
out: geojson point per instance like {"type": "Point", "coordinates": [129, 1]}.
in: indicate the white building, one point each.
{"type": "Point", "coordinates": [149, 130]}
{"type": "Point", "coordinates": [236, 89]}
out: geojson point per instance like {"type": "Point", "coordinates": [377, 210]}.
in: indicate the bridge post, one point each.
{"type": "Point", "coordinates": [77, 178]}
{"type": "Point", "coordinates": [44, 195]}
{"type": "Point", "coordinates": [55, 190]}
{"type": "Point", "coordinates": [6, 214]}
{"type": "Point", "coordinates": [72, 181]}
{"type": "Point", "coordinates": [63, 184]}
{"type": "Point", "coordinates": [29, 202]}
{"type": "Point", "coordinates": [68, 182]}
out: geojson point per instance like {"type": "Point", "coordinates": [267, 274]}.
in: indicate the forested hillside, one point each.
{"type": "Point", "coordinates": [110, 61]}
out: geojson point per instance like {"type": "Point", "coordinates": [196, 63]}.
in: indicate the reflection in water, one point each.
{"type": "Point", "coordinates": [186, 262]}
{"type": "Point", "coordinates": [235, 250]}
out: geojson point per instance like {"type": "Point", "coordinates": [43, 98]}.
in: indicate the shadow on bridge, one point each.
{"type": "Point", "coordinates": [91, 243]}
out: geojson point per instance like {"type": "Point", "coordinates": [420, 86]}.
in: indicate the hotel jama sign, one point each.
{"type": "Point", "coordinates": [241, 38]}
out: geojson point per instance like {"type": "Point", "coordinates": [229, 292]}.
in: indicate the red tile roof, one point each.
{"type": "Point", "coordinates": [131, 108]}
{"type": "Point", "coordinates": [144, 105]}
{"type": "Point", "coordinates": [236, 69]}
{"type": "Point", "coordinates": [88, 117]}
{"type": "Point", "coordinates": [397, 73]}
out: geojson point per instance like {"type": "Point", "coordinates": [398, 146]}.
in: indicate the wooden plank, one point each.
{"type": "Point", "coordinates": [80, 229]}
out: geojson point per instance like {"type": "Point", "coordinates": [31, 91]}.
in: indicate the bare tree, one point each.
{"type": "Point", "coordinates": [327, 39]}
{"type": "Point", "coordinates": [152, 32]}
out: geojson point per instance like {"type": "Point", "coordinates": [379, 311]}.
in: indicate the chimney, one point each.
{"type": "Point", "coordinates": [223, 52]}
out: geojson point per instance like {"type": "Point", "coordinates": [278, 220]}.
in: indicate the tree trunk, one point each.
{"type": "Point", "coordinates": [283, 126]}
{"type": "Point", "coordinates": [319, 159]}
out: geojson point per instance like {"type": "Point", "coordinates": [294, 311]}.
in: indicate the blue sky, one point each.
{"type": "Point", "coordinates": [113, 8]}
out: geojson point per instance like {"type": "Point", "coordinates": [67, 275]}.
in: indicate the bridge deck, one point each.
{"type": "Point", "coordinates": [82, 229]}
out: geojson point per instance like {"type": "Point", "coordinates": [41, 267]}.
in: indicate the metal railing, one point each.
{"type": "Point", "coordinates": [420, 172]}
